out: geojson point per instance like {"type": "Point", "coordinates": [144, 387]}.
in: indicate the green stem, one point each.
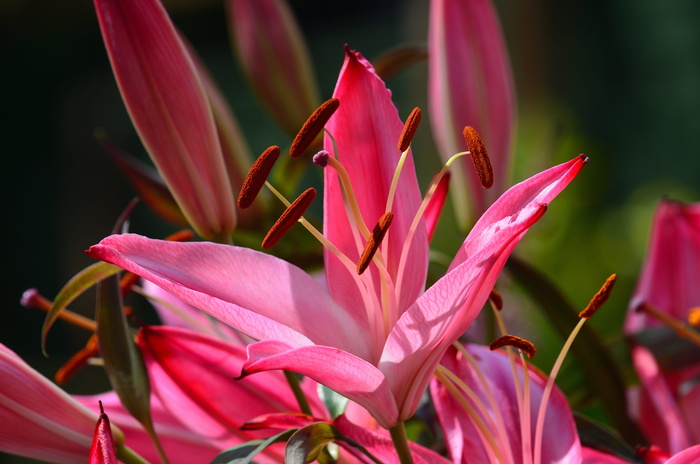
{"type": "Point", "coordinates": [293, 381]}
{"type": "Point", "coordinates": [398, 436]}
{"type": "Point", "coordinates": [129, 456]}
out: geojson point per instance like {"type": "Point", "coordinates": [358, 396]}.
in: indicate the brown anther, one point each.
{"type": "Point", "coordinates": [257, 176]}
{"type": "Point", "coordinates": [374, 240]}
{"type": "Point", "coordinates": [409, 129]}
{"type": "Point", "coordinates": [694, 317]}
{"type": "Point", "coordinates": [184, 235]}
{"type": "Point", "coordinates": [496, 299]}
{"type": "Point", "coordinates": [312, 127]}
{"type": "Point", "coordinates": [600, 298]}
{"type": "Point", "coordinates": [290, 217]}
{"type": "Point", "coordinates": [480, 158]}
{"type": "Point", "coordinates": [511, 340]}
{"type": "Point", "coordinates": [77, 361]}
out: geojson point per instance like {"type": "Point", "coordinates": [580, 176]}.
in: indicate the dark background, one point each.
{"type": "Point", "coordinates": [616, 79]}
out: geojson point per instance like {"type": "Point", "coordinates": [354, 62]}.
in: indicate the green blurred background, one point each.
{"type": "Point", "coordinates": [618, 80]}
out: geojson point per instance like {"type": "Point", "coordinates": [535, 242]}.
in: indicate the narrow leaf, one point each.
{"type": "Point", "coordinates": [75, 287]}
{"type": "Point", "coordinates": [398, 59]}
{"type": "Point", "coordinates": [335, 403]}
{"type": "Point", "coordinates": [596, 436]}
{"type": "Point", "coordinates": [244, 453]}
{"type": "Point", "coordinates": [589, 351]}
{"type": "Point", "coordinates": [671, 351]}
{"type": "Point", "coordinates": [307, 443]}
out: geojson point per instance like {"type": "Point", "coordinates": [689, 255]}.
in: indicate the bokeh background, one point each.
{"type": "Point", "coordinates": [616, 79]}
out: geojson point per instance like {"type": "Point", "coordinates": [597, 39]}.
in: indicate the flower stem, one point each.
{"type": "Point", "coordinates": [398, 436]}
{"type": "Point", "coordinates": [129, 456]}
{"type": "Point", "coordinates": [293, 381]}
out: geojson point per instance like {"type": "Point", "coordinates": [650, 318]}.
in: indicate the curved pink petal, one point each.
{"type": "Point", "coordinates": [38, 420]}
{"type": "Point", "coordinates": [192, 375]}
{"type": "Point", "coordinates": [498, 394]}
{"type": "Point", "coordinates": [340, 371]}
{"type": "Point", "coordinates": [687, 456]}
{"type": "Point", "coordinates": [258, 294]}
{"type": "Point", "coordinates": [433, 209]}
{"type": "Point", "coordinates": [669, 277]}
{"type": "Point", "coordinates": [366, 128]}
{"type": "Point", "coordinates": [181, 445]}
{"type": "Point", "coordinates": [591, 456]}
{"type": "Point", "coordinates": [470, 84]}
{"type": "Point", "coordinates": [274, 58]}
{"type": "Point", "coordinates": [169, 109]}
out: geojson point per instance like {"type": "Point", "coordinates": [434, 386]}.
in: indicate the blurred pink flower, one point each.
{"type": "Point", "coordinates": [470, 84]}
{"type": "Point", "coordinates": [102, 449]}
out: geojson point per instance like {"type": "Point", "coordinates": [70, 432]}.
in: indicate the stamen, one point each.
{"type": "Point", "coordinates": [290, 217]}
{"type": "Point", "coordinates": [312, 127]}
{"type": "Point", "coordinates": [257, 176]}
{"type": "Point", "coordinates": [77, 361]}
{"type": "Point", "coordinates": [600, 298]}
{"type": "Point", "coordinates": [375, 239]}
{"type": "Point", "coordinates": [409, 129]}
{"type": "Point", "coordinates": [694, 316]}
{"type": "Point", "coordinates": [32, 299]}
{"type": "Point", "coordinates": [511, 340]}
{"type": "Point", "coordinates": [128, 281]}
{"type": "Point", "coordinates": [479, 156]}
{"type": "Point", "coordinates": [496, 299]}
{"type": "Point", "coordinates": [679, 327]}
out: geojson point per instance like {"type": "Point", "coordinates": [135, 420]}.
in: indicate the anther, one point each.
{"type": "Point", "coordinates": [312, 127]}
{"type": "Point", "coordinates": [496, 299]}
{"type": "Point", "coordinates": [480, 158]}
{"type": "Point", "coordinates": [600, 298]}
{"type": "Point", "coordinates": [321, 158]}
{"type": "Point", "coordinates": [694, 316]}
{"type": "Point", "coordinates": [77, 361]}
{"type": "Point", "coordinates": [290, 217]}
{"type": "Point", "coordinates": [184, 235]}
{"type": "Point", "coordinates": [257, 176]}
{"type": "Point", "coordinates": [374, 240]}
{"type": "Point", "coordinates": [517, 342]}
{"type": "Point", "coordinates": [409, 129]}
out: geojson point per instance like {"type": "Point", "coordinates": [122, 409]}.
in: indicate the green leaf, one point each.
{"type": "Point", "coordinates": [335, 403]}
{"type": "Point", "coordinates": [307, 443]}
{"type": "Point", "coordinates": [75, 287]}
{"type": "Point", "coordinates": [590, 353]}
{"type": "Point", "coordinates": [398, 59]}
{"type": "Point", "coordinates": [597, 436]}
{"type": "Point", "coordinates": [244, 453]}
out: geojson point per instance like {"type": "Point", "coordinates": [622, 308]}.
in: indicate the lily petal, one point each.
{"type": "Point", "coordinates": [470, 84]}
{"type": "Point", "coordinates": [258, 294]}
{"type": "Point", "coordinates": [366, 128]}
{"type": "Point", "coordinates": [169, 108]}
{"type": "Point", "coordinates": [102, 450]}
{"type": "Point", "coordinates": [350, 376]}
{"type": "Point", "coordinates": [688, 456]}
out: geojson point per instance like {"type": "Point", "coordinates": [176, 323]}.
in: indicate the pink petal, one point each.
{"type": "Point", "coordinates": [38, 420]}
{"type": "Point", "coordinates": [181, 445]}
{"type": "Point", "coordinates": [340, 371]}
{"type": "Point", "coordinates": [366, 128]}
{"type": "Point", "coordinates": [669, 277]}
{"type": "Point", "coordinates": [419, 339]}
{"type": "Point", "coordinates": [470, 84]}
{"type": "Point", "coordinates": [169, 109]}
{"type": "Point", "coordinates": [102, 449]}
{"type": "Point", "coordinates": [193, 377]}
{"type": "Point", "coordinates": [560, 441]}
{"type": "Point", "coordinates": [258, 294]}
{"type": "Point", "coordinates": [433, 209]}
{"type": "Point", "coordinates": [688, 456]}
{"type": "Point", "coordinates": [273, 55]}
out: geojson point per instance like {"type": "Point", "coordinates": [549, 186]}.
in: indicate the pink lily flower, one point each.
{"type": "Point", "coordinates": [169, 108]}
{"type": "Point", "coordinates": [102, 449]}
{"type": "Point", "coordinates": [38, 420]}
{"type": "Point", "coordinates": [274, 58]}
{"type": "Point", "coordinates": [671, 268]}
{"type": "Point", "coordinates": [181, 445]}
{"type": "Point", "coordinates": [470, 84]}
{"type": "Point", "coordinates": [375, 338]}
{"type": "Point", "coordinates": [499, 424]}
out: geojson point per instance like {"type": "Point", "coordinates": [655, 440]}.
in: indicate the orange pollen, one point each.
{"type": "Point", "coordinates": [694, 316]}
{"type": "Point", "coordinates": [409, 129]}
{"type": "Point", "coordinates": [257, 176]}
{"type": "Point", "coordinates": [312, 127]}
{"type": "Point", "coordinates": [184, 235]}
{"type": "Point", "coordinates": [290, 217]}
{"type": "Point", "coordinates": [511, 340]}
{"type": "Point", "coordinates": [77, 361]}
{"type": "Point", "coordinates": [600, 298]}
{"type": "Point", "coordinates": [374, 240]}
{"type": "Point", "coordinates": [480, 158]}
{"type": "Point", "coordinates": [496, 299]}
